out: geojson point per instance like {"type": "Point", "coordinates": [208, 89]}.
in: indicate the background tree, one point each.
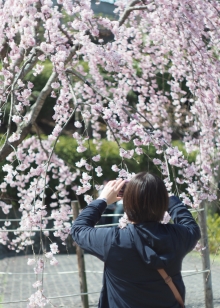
{"type": "Point", "coordinates": [165, 53]}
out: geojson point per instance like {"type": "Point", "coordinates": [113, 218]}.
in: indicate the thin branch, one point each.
{"type": "Point", "coordinates": [130, 115]}
{"type": "Point", "coordinates": [138, 8]}
{"type": "Point", "coordinates": [35, 109]}
{"type": "Point", "coordinates": [129, 10]}
{"type": "Point", "coordinates": [147, 130]}
{"type": "Point", "coordinates": [166, 161]}
{"type": "Point", "coordinates": [10, 118]}
{"type": "Point", "coordinates": [39, 137]}
{"type": "Point", "coordinates": [77, 74]}
{"type": "Point", "coordinates": [20, 74]}
{"type": "Point", "coordinates": [19, 60]}
{"type": "Point", "coordinates": [31, 63]}
{"type": "Point", "coordinates": [74, 72]}
{"type": "Point", "coordinates": [72, 92]}
{"type": "Point", "coordinates": [12, 102]}
{"type": "Point", "coordinates": [24, 127]}
{"type": "Point", "coordinates": [52, 151]}
{"type": "Point", "coordinates": [131, 7]}
{"type": "Point", "coordinates": [65, 33]}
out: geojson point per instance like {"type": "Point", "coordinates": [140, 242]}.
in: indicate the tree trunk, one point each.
{"type": "Point", "coordinates": [207, 279]}
{"type": "Point", "coordinates": [81, 262]}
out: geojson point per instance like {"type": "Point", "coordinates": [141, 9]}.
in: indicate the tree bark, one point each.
{"type": "Point", "coordinates": [207, 278]}
{"type": "Point", "coordinates": [81, 263]}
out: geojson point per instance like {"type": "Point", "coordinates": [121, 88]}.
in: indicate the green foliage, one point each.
{"type": "Point", "coordinates": [162, 80]}
{"type": "Point", "coordinates": [66, 149]}
{"type": "Point", "coordinates": [39, 82]}
{"type": "Point", "coordinates": [85, 65]}
{"type": "Point", "coordinates": [139, 71]}
{"type": "Point", "coordinates": [190, 157]}
{"type": "Point", "coordinates": [109, 152]}
{"type": "Point", "coordinates": [213, 224]}
{"type": "Point", "coordinates": [132, 98]}
{"type": "Point", "coordinates": [10, 196]}
{"type": "Point", "coordinates": [41, 79]}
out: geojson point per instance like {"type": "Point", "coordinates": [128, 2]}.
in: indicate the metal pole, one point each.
{"type": "Point", "coordinates": [207, 279]}
{"type": "Point", "coordinates": [81, 263]}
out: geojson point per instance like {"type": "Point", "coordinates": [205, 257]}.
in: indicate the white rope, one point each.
{"type": "Point", "coordinates": [111, 215]}
{"type": "Point", "coordinates": [31, 230]}
{"type": "Point", "coordinates": [195, 211]}
{"type": "Point", "coordinates": [197, 272]}
{"type": "Point", "coordinates": [62, 296]}
{"type": "Point", "coordinates": [88, 271]}
{"type": "Point", "coordinates": [60, 229]}
{"type": "Point", "coordinates": [17, 219]}
{"type": "Point", "coordinates": [107, 225]}
{"type": "Point", "coordinates": [97, 226]}
{"type": "Point", "coordinates": [57, 273]}
{"type": "Point", "coordinates": [14, 302]}
{"type": "Point", "coordinates": [103, 215]}
{"type": "Point", "coordinates": [51, 297]}
{"type": "Point", "coordinates": [50, 218]}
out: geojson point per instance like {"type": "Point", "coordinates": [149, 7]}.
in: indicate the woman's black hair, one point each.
{"type": "Point", "coordinates": [145, 198]}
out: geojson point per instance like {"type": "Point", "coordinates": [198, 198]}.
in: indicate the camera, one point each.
{"type": "Point", "coordinates": [121, 192]}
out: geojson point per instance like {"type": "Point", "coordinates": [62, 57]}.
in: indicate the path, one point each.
{"type": "Point", "coordinates": [16, 287]}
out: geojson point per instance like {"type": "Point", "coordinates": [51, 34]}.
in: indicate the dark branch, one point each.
{"type": "Point", "coordinates": [130, 7]}
{"type": "Point", "coordinates": [24, 127]}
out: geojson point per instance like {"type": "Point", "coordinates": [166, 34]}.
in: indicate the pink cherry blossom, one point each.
{"type": "Point", "coordinates": [98, 171]}
{"type": "Point", "coordinates": [90, 83]}
{"type": "Point", "coordinates": [166, 218]}
{"type": "Point", "coordinates": [157, 161]}
{"type": "Point", "coordinates": [39, 266]}
{"type": "Point", "coordinates": [38, 69]}
{"type": "Point", "coordinates": [49, 255]}
{"type": "Point", "coordinates": [53, 261]}
{"type": "Point", "coordinates": [115, 168]}
{"type": "Point", "coordinates": [55, 85]}
{"type": "Point", "coordinates": [99, 187]}
{"type": "Point", "coordinates": [37, 284]}
{"type": "Point", "coordinates": [81, 163]}
{"type": "Point", "coordinates": [54, 248]}
{"type": "Point", "coordinates": [16, 119]}
{"type": "Point", "coordinates": [31, 261]}
{"type": "Point", "coordinates": [126, 153]}
{"type": "Point", "coordinates": [88, 199]}
{"type": "Point", "coordinates": [81, 149]}
{"type": "Point", "coordinates": [78, 124]}
{"type": "Point", "coordinates": [96, 158]}
{"type": "Point", "coordinates": [37, 300]}
{"type": "Point", "coordinates": [14, 137]}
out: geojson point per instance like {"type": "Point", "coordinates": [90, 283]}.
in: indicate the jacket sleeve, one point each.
{"type": "Point", "coordinates": [184, 223]}
{"type": "Point", "coordinates": [96, 241]}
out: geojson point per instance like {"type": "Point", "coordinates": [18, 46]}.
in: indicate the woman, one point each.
{"type": "Point", "coordinates": [133, 254]}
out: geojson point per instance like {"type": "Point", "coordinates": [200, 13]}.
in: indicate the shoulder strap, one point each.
{"type": "Point", "coordinates": [172, 286]}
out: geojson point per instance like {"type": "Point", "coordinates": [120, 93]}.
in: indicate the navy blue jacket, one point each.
{"type": "Point", "coordinates": [133, 254]}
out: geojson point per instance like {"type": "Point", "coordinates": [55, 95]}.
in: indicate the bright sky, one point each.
{"type": "Point", "coordinates": [109, 1]}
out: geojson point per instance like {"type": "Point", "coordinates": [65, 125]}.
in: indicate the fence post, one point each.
{"type": "Point", "coordinates": [81, 262]}
{"type": "Point", "coordinates": [207, 279]}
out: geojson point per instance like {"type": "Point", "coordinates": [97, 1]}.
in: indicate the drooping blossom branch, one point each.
{"type": "Point", "coordinates": [157, 80]}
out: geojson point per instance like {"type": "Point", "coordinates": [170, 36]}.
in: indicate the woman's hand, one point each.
{"type": "Point", "coordinates": [111, 190]}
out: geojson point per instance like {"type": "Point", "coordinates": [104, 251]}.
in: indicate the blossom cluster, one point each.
{"type": "Point", "coordinates": [165, 56]}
